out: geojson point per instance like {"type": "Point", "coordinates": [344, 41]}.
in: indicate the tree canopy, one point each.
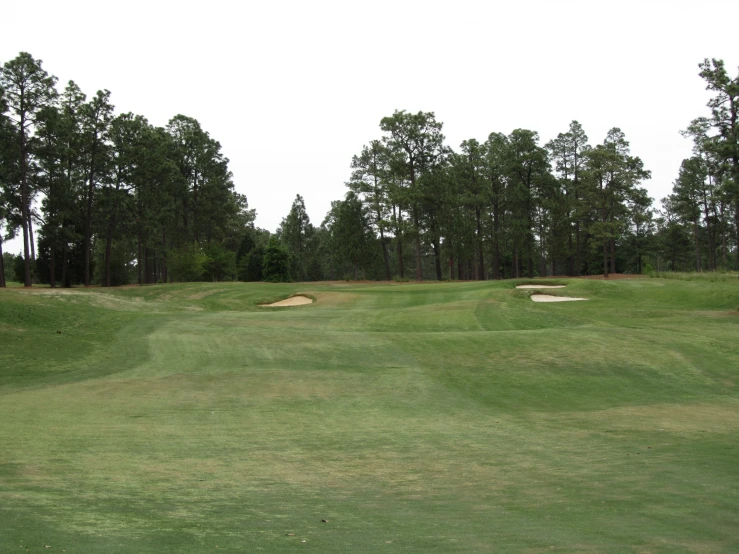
{"type": "Point", "coordinates": [100, 197]}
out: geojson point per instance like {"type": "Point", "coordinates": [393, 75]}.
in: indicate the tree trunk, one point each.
{"type": "Point", "coordinates": [108, 252]}
{"type": "Point", "coordinates": [146, 265]}
{"type": "Point", "coordinates": [419, 267]}
{"type": "Point", "coordinates": [723, 238]}
{"type": "Point", "coordinates": [417, 243]}
{"type": "Point", "coordinates": [605, 259]}
{"type": "Point", "coordinates": [30, 236]}
{"type": "Point", "coordinates": [578, 262]}
{"type": "Point", "coordinates": [52, 267]}
{"type": "Point", "coordinates": [437, 258]}
{"type": "Point", "coordinates": [613, 255]}
{"type": "Point", "coordinates": [542, 259]}
{"type": "Point", "coordinates": [140, 259]}
{"type": "Point", "coordinates": [496, 244]}
{"type": "Point", "coordinates": [195, 210]}
{"type": "Point", "coordinates": [571, 257]}
{"type": "Point", "coordinates": [88, 227]}
{"type": "Point", "coordinates": [88, 218]}
{"type": "Point", "coordinates": [711, 246]}
{"type": "Point", "coordinates": [26, 255]}
{"type": "Point", "coordinates": [184, 214]}
{"type": "Point", "coordinates": [24, 203]}
{"type": "Point", "coordinates": [736, 227]}
{"type": "Point", "coordinates": [2, 265]}
{"type": "Point", "coordinates": [164, 256]}
{"type": "Point", "coordinates": [697, 246]}
{"type": "Point", "coordinates": [399, 245]}
{"type": "Point", "coordinates": [416, 226]}
{"type": "Point", "coordinates": [638, 255]}
{"type": "Point", "coordinates": [496, 260]}
{"type": "Point", "coordinates": [480, 258]}
{"type": "Point", "coordinates": [64, 267]}
{"type": "Point", "coordinates": [399, 240]}
{"type": "Point", "coordinates": [733, 109]}
{"type": "Point", "coordinates": [385, 255]}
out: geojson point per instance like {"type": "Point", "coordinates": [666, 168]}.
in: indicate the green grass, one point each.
{"type": "Point", "coordinates": [695, 276]}
{"type": "Point", "coordinates": [451, 417]}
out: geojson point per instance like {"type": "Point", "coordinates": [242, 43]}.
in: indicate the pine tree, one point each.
{"type": "Point", "coordinates": [28, 89]}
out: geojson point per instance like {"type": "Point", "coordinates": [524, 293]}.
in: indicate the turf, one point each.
{"type": "Point", "coordinates": [453, 417]}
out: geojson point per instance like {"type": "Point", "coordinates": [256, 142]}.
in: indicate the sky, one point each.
{"type": "Point", "coordinates": [292, 90]}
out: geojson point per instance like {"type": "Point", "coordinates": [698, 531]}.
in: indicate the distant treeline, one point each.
{"type": "Point", "coordinates": [114, 200]}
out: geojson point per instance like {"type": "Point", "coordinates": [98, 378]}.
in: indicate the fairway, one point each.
{"type": "Point", "coordinates": [449, 417]}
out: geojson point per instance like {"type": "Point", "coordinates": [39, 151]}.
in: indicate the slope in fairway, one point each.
{"type": "Point", "coordinates": [422, 418]}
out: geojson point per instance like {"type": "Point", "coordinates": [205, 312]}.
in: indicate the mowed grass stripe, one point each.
{"type": "Point", "coordinates": [431, 418]}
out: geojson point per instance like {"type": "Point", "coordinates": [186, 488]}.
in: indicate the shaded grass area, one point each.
{"type": "Point", "coordinates": [452, 417]}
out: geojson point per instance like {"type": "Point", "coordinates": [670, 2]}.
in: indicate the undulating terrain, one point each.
{"type": "Point", "coordinates": [452, 417]}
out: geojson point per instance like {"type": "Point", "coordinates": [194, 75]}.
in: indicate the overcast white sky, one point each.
{"type": "Point", "coordinates": [293, 89]}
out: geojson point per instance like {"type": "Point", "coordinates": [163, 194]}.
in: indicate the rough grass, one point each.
{"type": "Point", "coordinates": [695, 276]}
{"type": "Point", "coordinates": [452, 417]}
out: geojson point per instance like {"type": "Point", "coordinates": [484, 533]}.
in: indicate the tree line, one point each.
{"type": "Point", "coordinates": [123, 201]}
{"type": "Point", "coordinates": [509, 206]}
{"type": "Point", "coordinates": [109, 199]}
{"type": "Point", "coordinates": [700, 219]}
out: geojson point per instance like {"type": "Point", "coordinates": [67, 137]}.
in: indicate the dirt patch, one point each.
{"type": "Point", "coordinates": [540, 286]}
{"type": "Point", "coordinates": [550, 298]}
{"type": "Point", "coordinates": [297, 300]}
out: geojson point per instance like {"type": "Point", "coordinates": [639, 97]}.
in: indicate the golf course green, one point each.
{"type": "Point", "coordinates": [439, 417]}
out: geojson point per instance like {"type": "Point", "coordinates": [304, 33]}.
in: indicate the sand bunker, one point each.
{"type": "Point", "coordinates": [540, 286]}
{"type": "Point", "coordinates": [550, 298]}
{"type": "Point", "coordinates": [292, 301]}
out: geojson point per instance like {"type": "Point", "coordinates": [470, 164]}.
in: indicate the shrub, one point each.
{"type": "Point", "coordinates": [19, 269]}
{"type": "Point", "coordinates": [276, 263]}
{"type": "Point", "coordinates": [9, 265]}
{"type": "Point", "coordinates": [250, 268]}
{"type": "Point", "coordinates": [186, 263]}
{"type": "Point", "coordinates": [220, 264]}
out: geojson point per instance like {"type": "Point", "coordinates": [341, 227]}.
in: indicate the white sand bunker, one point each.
{"type": "Point", "coordinates": [292, 301]}
{"type": "Point", "coordinates": [550, 298]}
{"type": "Point", "coordinates": [540, 286]}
